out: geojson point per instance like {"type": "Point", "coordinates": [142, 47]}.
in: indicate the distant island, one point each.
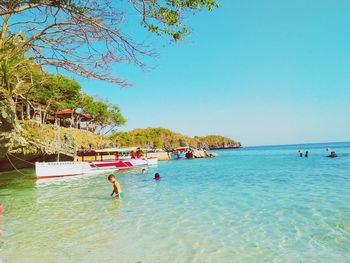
{"type": "Point", "coordinates": [160, 138]}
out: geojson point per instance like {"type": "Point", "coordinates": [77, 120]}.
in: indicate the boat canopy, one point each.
{"type": "Point", "coordinates": [181, 149]}
{"type": "Point", "coordinates": [107, 151]}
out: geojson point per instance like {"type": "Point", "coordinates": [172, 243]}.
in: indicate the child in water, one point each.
{"type": "Point", "coordinates": [116, 186]}
{"type": "Point", "coordinates": [157, 177]}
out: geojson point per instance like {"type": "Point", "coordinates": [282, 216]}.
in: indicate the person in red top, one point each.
{"type": "Point", "coordinates": [138, 153]}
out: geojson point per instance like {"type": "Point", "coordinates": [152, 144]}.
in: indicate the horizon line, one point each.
{"type": "Point", "coordinates": [295, 144]}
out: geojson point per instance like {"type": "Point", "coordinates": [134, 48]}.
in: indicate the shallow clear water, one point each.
{"type": "Point", "coordinates": [251, 205]}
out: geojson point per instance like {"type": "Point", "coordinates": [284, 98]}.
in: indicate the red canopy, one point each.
{"type": "Point", "coordinates": [67, 113]}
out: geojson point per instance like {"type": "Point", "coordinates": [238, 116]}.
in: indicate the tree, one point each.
{"type": "Point", "coordinates": [104, 113]}
{"type": "Point", "coordinates": [116, 117]}
{"type": "Point", "coordinates": [86, 36]}
{"type": "Point", "coordinates": [18, 74]}
{"type": "Point", "coordinates": [57, 92]}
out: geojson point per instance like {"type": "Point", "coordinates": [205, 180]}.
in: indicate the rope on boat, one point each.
{"type": "Point", "coordinates": [14, 167]}
{"type": "Point", "coordinates": [22, 159]}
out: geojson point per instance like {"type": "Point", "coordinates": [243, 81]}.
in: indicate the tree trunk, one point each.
{"type": "Point", "coordinates": [22, 111]}
{"type": "Point", "coordinates": [28, 111]}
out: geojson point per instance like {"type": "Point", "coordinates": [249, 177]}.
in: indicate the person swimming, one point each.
{"type": "Point", "coordinates": [144, 171]}
{"type": "Point", "coordinates": [157, 177]}
{"type": "Point", "coordinates": [117, 190]}
{"type": "Point", "coordinates": [300, 153]}
{"type": "Point", "coordinates": [332, 155]}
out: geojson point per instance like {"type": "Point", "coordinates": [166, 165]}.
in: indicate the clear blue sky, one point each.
{"type": "Point", "coordinates": [262, 72]}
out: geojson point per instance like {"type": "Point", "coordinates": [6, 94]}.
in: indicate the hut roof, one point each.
{"type": "Point", "coordinates": [67, 113]}
{"type": "Point", "coordinates": [86, 117]}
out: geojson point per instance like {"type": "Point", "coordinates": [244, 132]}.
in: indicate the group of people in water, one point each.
{"type": "Point", "coordinates": [306, 155]}
{"type": "Point", "coordinates": [301, 153]}
{"type": "Point", "coordinates": [117, 190]}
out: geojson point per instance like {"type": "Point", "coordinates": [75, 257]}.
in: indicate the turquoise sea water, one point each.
{"type": "Point", "coordinates": [261, 204]}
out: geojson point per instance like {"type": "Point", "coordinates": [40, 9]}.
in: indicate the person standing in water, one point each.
{"type": "Point", "coordinates": [117, 190]}
{"type": "Point", "coordinates": [300, 153]}
{"type": "Point", "coordinates": [306, 154]}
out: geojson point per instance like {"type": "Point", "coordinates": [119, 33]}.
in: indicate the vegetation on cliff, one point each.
{"type": "Point", "coordinates": [37, 91]}
{"type": "Point", "coordinates": [167, 139]}
{"type": "Point", "coordinates": [40, 140]}
{"type": "Point", "coordinates": [67, 140]}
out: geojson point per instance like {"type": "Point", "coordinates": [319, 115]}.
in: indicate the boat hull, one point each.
{"type": "Point", "coordinates": [178, 156]}
{"type": "Point", "coordinates": [61, 169]}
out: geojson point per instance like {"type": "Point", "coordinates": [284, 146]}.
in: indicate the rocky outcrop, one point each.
{"type": "Point", "coordinates": [10, 131]}
{"type": "Point", "coordinates": [235, 145]}
{"type": "Point", "coordinates": [194, 154]}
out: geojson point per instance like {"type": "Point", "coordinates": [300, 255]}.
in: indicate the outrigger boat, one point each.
{"type": "Point", "coordinates": [180, 153]}
{"type": "Point", "coordinates": [95, 162]}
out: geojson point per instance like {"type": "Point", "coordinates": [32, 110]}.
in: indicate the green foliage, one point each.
{"type": "Point", "coordinates": [17, 73]}
{"type": "Point", "coordinates": [21, 77]}
{"type": "Point", "coordinates": [167, 139]}
{"type": "Point", "coordinates": [116, 116]}
{"type": "Point", "coordinates": [57, 91]}
{"type": "Point", "coordinates": [104, 113]}
{"type": "Point", "coordinates": [166, 17]}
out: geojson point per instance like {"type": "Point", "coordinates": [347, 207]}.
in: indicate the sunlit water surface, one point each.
{"type": "Point", "coordinates": [250, 205]}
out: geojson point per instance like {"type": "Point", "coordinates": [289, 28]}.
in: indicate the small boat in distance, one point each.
{"type": "Point", "coordinates": [180, 153]}
{"type": "Point", "coordinates": [95, 162]}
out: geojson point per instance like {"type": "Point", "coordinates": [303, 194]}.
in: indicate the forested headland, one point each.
{"type": "Point", "coordinates": [161, 138]}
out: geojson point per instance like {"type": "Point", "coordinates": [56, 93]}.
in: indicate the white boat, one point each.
{"type": "Point", "coordinates": [60, 169]}
{"type": "Point", "coordinates": [95, 166]}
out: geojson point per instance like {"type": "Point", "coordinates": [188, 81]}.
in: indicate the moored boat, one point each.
{"type": "Point", "coordinates": [180, 153]}
{"type": "Point", "coordinates": [95, 162]}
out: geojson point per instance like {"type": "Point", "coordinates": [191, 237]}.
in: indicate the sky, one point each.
{"type": "Point", "coordinates": [261, 72]}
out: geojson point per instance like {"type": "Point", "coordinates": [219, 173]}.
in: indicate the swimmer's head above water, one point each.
{"type": "Point", "coordinates": [157, 176]}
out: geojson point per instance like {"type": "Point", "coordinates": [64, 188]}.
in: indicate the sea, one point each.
{"type": "Point", "coordinates": [255, 204]}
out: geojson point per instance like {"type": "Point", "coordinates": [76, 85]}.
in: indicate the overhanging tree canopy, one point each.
{"type": "Point", "coordinates": [86, 36]}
